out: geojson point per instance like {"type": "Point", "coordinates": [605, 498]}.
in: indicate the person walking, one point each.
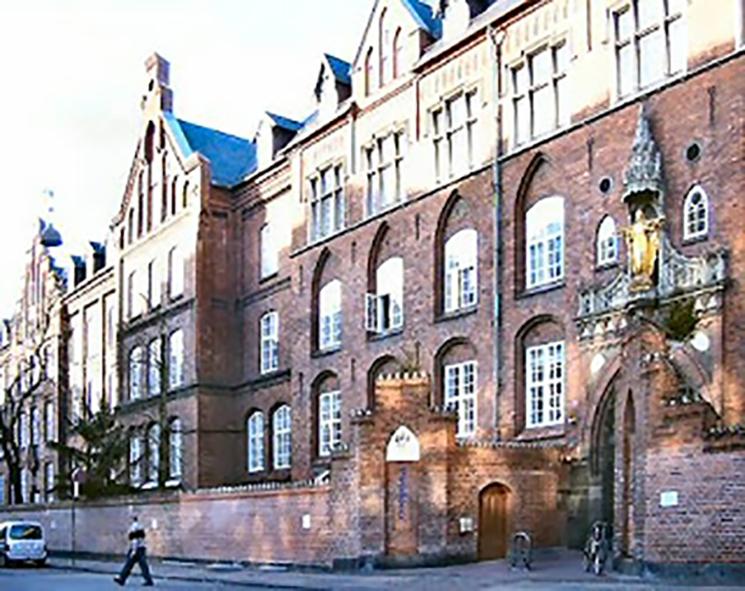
{"type": "Point", "coordinates": [137, 553]}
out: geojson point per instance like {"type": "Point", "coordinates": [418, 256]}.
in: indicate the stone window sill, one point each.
{"type": "Point", "coordinates": [541, 289]}
{"type": "Point", "coordinates": [459, 313]}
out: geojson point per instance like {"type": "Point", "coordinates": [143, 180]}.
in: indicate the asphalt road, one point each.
{"type": "Point", "coordinates": [28, 579]}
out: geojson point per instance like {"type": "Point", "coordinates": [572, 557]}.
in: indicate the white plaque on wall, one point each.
{"type": "Point", "coordinates": [669, 498]}
{"type": "Point", "coordinates": [403, 446]}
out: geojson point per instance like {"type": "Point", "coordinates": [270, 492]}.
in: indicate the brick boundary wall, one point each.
{"type": "Point", "coordinates": [261, 526]}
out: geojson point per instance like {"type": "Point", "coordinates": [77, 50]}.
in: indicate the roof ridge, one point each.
{"type": "Point", "coordinates": [213, 130]}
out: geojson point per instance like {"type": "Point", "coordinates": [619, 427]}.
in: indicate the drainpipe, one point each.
{"type": "Point", "coordinates": [496, 37]}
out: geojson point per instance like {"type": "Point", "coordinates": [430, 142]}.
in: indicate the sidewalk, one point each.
{"type": "Point", "coordinates": [559, 569]}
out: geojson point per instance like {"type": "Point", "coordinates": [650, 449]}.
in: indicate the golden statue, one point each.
{"type": "Point", "coordinates": [643, 243]}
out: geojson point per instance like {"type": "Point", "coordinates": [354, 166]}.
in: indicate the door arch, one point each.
{"type": "Point", "coordinates": [493, 521]}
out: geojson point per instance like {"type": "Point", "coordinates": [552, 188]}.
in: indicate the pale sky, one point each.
{"type": "Point", "coordinates": [73, 74]}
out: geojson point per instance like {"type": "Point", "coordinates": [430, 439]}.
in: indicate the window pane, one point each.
{"type": "Point", "coordinates": [678, 59]}
{"type": "Point", "coordinates": [522, 120]}
{"type": "Point", "coordinates": [651, 58]}
{"type": "Point", "coordinates": [650, 12]}
{"type": "Point", "coordinates": [540, 67]}
{"type": "Point", "coordinates": [543, 111]}
{"type": "Point", "coordinates": [626, 76]}
{"type": "Point", "coordinates": [624, 25]}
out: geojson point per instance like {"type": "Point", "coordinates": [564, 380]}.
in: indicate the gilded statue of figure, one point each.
{"type": "Point", "coordinates": [643, 242]}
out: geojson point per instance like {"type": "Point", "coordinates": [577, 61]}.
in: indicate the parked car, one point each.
{"type": "Point", "coordinates": [22, 541]}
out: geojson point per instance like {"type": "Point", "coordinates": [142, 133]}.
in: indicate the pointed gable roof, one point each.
{"type": "Point", "coordinates": [284, 122]}
{"type": "Point", "coordinates": [341, 69]}
{"type": "Point", "coordinates": [422, 14]}
{"type": "Point", "coordinates": [231, 157]}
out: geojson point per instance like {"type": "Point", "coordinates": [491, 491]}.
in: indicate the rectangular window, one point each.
{"type": "Point", "coordinates": [460, 395]}
{"type": "Point", "coordinates": [329, 422]}
{"type": "Point", "coordinates": [176, 451]}
{"type": "Point", "coordinates": [175, 273]}
{"type": "Point", "coordinates": [153, 284]}
{"type": "Point", "coordinates": [269, 342]}
{"type": "Point", "coordinates": [329, 312]}
{"type": "Point", "coordinates": [135, 460]}
{"type": "Point", "coordinates": [384, 310]}
{"type": "Point", "coordinates": [35, 420]}
{"type": "Point", "coordinates": [327, 205]}
{"type": "Point", "coordinates": [540, 93]}
{"type": "Point", "coordinates": [49, 482]}
{"type": "Point", "coordinates": [131, 294]}
{"type": "Point", "coordinates": [154, 367]}
{"type": "Point", "coordinates": [256, 442]}
{"type": "Point", "coordinates": [176, 359]}
{"type": "Point", "coordinates": [269, 258]}
{"type": "Point", "coordinates": [650, 43]}
{"type": "Point", "coordinates": [544, 384]}
{"type": "Point", "coordinates": [383, 161]}
{"type": "Point", "coordinates": [50, 421]}
{"type": "Point", "coordinates": [282, 444]}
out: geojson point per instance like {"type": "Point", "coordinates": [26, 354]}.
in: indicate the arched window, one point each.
{"type": "Point", "coordinates": [153, 453]}
{"type": "Point", "coordinates": [544, 242]}
{"type": "Point", "coordinates": [329, 420]}
{"type": "Point", "coordinates": [695, 214]}
{"type": "Point", "coordinates": [329, 315]}
{"type": "Point", "coordinates": [606, 245]}
{"type": "Point", "coordinates": [176, 358]}
{"type": "Point", "coordinates": [154, 367]}
{"type": "Point", "coordinates": [369, 72]}
{"type": "Point", "coordinates": [269, 342]}
{"type": "Point", "coordinates": [136, 372]}
{"type": "Point", "coordinates": [175, 450]}
{"type": "Point", "coordinates": [385, 309]}
{"type": "Point", "coordinates": [255, 431]}
{"type": "Point", "coordinates": [457, 377]}
{"type": "Point", "coordinates": [268, 255]}
{"type": "Point", "coordinates": [397, 53]}
{"type": "Point", "coordinates": [461, 264]}
{"type": "Point", "coordinates": [135, 458]}
{"type": "Point", "coordinates": [282, 437]}
{"type": "Point", "coordinates": [384, 48]}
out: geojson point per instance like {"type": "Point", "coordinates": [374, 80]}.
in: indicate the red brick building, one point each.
{"type": "Point", "coordinates": [489, 285]}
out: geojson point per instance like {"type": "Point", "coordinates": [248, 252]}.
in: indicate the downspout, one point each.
{"type": "Point", "coordinates": [496, 37]}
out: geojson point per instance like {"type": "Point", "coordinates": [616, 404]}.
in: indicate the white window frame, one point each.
{"type": "Point", "coordinates": [175, 450]}
{"type": "Point", "coordinates": [329, 422]}
{"type": "Point", "coordinates": [544, 242]}
{"type": "Point", "coordinates": [176, 358]}
{"type": "Point", "coordinates": [135, 459]}
{"type": "Point", "coordinates": [460, 289]}
{"type": "Point", "coordinates": [447, 128]}
{"type": "Point", "coordinates": [384, 310]}
{"type": "Point", "coordinates": [329, 316]}
{"type": "Point", "coordinates": [383, 160]}
{"type": "Point", "coordinates": [327, 206]}
{"type": "Point", "coordinates": [606, 243]}
{"type": "Point", "coordinates": [695, 215]}
{"type": "Point", "coordinates": [545, 370]}
{"type": "Point", "coordinates": [269, 347]}
{"type": "Point", "coordinates": [460, 394]}
{"type": "Point", "coordinates": [527, 90]}
{"type": "Point", "coordinates": [282, 437]}
{"type": "Point", "coordinates": [269, 254]}
{"type": "Point", "coordinates": [638, 34]}
{"type": "Point", "coordinates": [255, 436]}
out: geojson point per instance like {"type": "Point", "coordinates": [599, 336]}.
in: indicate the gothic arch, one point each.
{"type": "Point", "coordinates": [455, 348]}
{"type": "Point", "coordinates": [315, 290]}
{"type": "Point", "coordinates": [383, 364]}
{"type": "Point", "coordinates": [374, 254]}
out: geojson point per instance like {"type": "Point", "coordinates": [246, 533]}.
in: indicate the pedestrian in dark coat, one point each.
{"type": "Point", "coordinates": [137, 553]}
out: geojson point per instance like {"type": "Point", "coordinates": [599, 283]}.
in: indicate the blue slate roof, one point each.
{"type": "Point", "coordinates": [285, 122]}
{"type": "Point", "coordinates": [231, 157]}
{"type": "Point", "coordinates": [342, 70]}
{"type": "Point", "coordinates": [425, 17]}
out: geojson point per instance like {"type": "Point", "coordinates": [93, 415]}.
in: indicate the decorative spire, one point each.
{"type": "Point", "coordinates": [644, 173]}
{"type": "Point", "coordinates": [50, 237]}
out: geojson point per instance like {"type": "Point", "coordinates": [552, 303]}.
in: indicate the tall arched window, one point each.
{"type": "Point", "coordinates": [461, 282]}
{"type": "Point", "coordinates": [695, 214]}
{"type": "Point", "coordinates": [329, 420]}
{"type": "Point", "coordinates": [175, 450]}
{"type": "Point", "coordinates": [384, 48]}
{"type": "Point", "coordinates": [282, 437]}
{"type": "Point", "coordinates": [255, 432]}
{"type": "Point", "coordinates": [136, 373]}
{"type": "Point", "coordinates": [135, 458]}
{"type": "Point", "coordinates": [153, 453]}
{"type": "Point", "coordinates": [268, 252]}
{"type": "Point", "coordinates": [606, 244]}
{"type": "Point", "coordinates": [369, 72]}
{"type": "Point", "coordinates": [397, 53]}
{"type": "Point", "coordinates": [385, 309]}
{"type": "Point", "coordinates": [329, 315]}
{"type": "Point", "coordinates": [544, 242]}
{"type": "Point", "coordinates": [269, 355]}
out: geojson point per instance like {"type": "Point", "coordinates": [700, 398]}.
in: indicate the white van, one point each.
{"type": "Point", "coordinates": [22, 541]}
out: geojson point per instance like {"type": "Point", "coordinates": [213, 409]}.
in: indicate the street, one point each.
{"type": "Point", "coordinates": [27, 579]}
{"type": "Point", "coordinates": [51, 579]}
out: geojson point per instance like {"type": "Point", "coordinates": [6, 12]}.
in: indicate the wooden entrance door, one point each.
{"type": "Point", "coordinates": [493, 517]}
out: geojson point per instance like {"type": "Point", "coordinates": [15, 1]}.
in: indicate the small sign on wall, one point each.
{"type": "Point", "coordinates": [305, 521]}
{"type": "Point", "coordinates": [403, 446]}
{"type": "Point", "coordinates": [669, 498]}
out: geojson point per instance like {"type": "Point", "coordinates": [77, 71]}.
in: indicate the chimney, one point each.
{"type": "Point", "coordinates": [158, 95]}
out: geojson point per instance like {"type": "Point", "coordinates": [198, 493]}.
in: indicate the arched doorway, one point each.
{"type": "Point", "coordinates": [605, 458]}
{"type": "Point", "coordinates": [627, 497]}
{"type": "Point", "coordinates": [493, 521]}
